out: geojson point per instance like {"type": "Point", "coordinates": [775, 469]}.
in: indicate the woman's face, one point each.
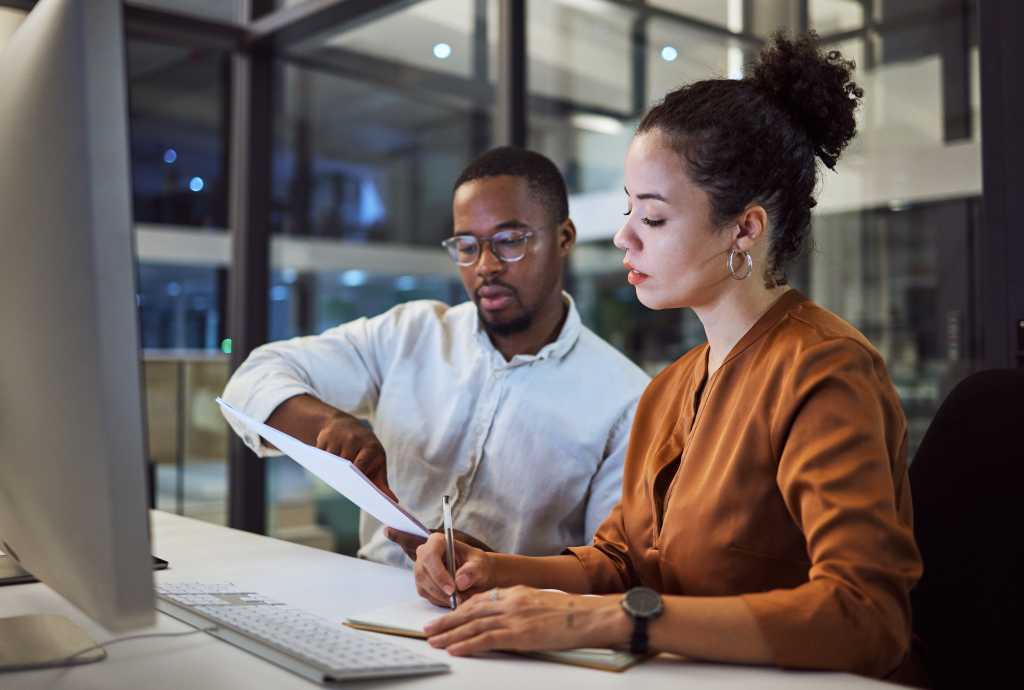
{"type": "Point", "coordinates": [675, 255]}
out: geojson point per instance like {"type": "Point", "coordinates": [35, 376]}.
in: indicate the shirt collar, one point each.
{"type": "Point", "coordinates": [558, 348]}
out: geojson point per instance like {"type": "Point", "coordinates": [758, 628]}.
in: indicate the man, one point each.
{"type": "Point", "coordinates": [506, 403]}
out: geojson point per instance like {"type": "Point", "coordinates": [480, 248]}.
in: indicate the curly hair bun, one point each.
{"type": "Point", "coordinates": [814, 87]}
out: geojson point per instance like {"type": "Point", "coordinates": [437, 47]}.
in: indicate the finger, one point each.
{"type": "Point", "coordinates": [323, 440]}
{"type": "Point", "coordinates": [369, 460]}
{"type": "Point", "coordinates": [431, 592]}
{"type": "Point", "coordinates": [329, 443]}
{"type": "Point", "coordinates": [468, 576]}
{"type": "Point", "coordinates": [372, 462]}
{"type": "Point", "coordinates": [465, 632]}
{"type": "Point", "coordinates": [500, 639]}
{"type": "Point", "coordinates": [467, 595]}
{"type": "Point", "coordinates": [428, 586]}
{"type": "Point", "coordinates": [431, 555]}
{"type": "Point", "coordinates": [349, 449]}
{"type": "Point", "coordinates": [408, 542]}
{"type": "Point", "coordinates": [473, 610]}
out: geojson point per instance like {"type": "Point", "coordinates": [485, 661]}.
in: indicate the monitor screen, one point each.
{"type": "Point", "coordinates": [72, 463]}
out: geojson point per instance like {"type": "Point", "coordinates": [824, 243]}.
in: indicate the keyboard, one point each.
{"type": "Point", "coordinates": [291, 638]}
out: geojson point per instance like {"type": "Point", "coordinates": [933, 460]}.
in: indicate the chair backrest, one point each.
{"type": "Point", "coordinates": [967, 481]}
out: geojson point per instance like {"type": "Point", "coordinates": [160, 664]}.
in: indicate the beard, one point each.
{"type": "Point", "coordinates": [506, 328]}
{"type": "Point", "coordinates": [515, 325]}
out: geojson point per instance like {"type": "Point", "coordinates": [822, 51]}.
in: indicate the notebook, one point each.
{"type": "Point", "coordinates": [408, 619]}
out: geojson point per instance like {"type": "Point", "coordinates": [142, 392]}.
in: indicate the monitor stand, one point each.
{"type": "Point", "coordinates": [11, 573]}
{"type": "Point", "coordinates": [44, 641]}
{"type": "Point", "coordinates": [40, 640]}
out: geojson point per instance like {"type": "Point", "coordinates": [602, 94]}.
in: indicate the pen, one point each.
{"type": "Point", "coordinates": [449, 540]}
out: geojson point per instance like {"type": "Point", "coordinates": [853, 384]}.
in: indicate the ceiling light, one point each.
{"type": "Point", "coordinates": [601, 124]}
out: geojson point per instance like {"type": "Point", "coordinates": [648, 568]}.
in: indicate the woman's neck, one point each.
{"type": "Point", "coordinates": [727, 319]}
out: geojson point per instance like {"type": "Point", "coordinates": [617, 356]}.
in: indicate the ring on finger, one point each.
{"type": "Point", "coordinates": [494, 594]}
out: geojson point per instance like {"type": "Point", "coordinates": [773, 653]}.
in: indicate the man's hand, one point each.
{"type": "Point", "coordinates": [411, 542]}
{"type": "Point", "coordinates": [344, 435]}
{"type": "Point", "coordinates": [475, 571]}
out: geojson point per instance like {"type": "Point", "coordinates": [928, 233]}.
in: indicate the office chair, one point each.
{"type": "Point", "coordinates": [967, 481]}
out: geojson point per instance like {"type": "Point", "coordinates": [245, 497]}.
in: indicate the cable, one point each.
{"type": "Point", "coordinates": [104, 645]}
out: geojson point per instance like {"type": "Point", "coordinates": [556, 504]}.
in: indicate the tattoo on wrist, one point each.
{"type": "Point", "coordinates": [570, 617]}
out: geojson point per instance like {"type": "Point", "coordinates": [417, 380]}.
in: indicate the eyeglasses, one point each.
{"type": "Point", "coordinates": [508, 245]}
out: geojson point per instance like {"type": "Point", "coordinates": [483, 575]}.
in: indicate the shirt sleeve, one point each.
{"type": "Point", "coordinates": [343, 367]}
{"type": "Point", "coordinates": [607, 561]}
{"type": "Point", "coordinates": [606, 484]}
{"type": "Point", "coordinates": [840, 437]}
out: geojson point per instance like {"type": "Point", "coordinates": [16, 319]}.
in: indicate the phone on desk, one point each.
{"type": "Point", "coordinates": [13, 574]}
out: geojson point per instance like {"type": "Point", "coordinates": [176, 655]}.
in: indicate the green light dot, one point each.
{"type": "Point", "coordinates": [225, 346]}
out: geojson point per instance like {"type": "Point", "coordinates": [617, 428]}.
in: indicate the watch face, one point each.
{"type": "Point", "coordinates": [643, 601]}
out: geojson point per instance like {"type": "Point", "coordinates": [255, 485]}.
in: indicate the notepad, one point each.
{"type": "Point", "coordinates": [337, 472]}
{"type": "Point", "coordinates": [409, 618]}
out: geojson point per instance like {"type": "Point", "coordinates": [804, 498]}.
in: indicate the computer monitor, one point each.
{"type": "Point", "coordinates": [72, 461]}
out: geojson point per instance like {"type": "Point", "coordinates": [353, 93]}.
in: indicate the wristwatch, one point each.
{"type": "Point", "coordinates": [643, 604]}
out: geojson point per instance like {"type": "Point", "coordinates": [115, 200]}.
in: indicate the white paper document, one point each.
{"type": "Point", "coordinates": [339, 473]}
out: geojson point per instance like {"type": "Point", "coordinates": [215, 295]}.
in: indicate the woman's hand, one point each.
{"type": "Point", "coordinates": [525, 619]}
{"type": "Point", "coordinates": [433, 582]}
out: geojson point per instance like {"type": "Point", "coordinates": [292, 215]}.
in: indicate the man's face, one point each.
{"type": "Point", "coordinates": [509, 295]}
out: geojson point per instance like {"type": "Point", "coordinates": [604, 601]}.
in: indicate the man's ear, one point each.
{"type": "Point", "coordinates": [566, 237]}
{"type": "Point", "coordinates": [750, 227]}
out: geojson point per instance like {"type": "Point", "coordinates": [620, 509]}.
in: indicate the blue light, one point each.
{"type": "Point", "coordinates": [352, 278]}
{"type": "Point", "coordinates": [371, 206]}
{"type": "Point", "coordinates": [196, 184]}
{"type": "Point", "coordinates": [278, 293]}
{"type": "Point", "coordinates": [669, 54]}
{"type": "Point", "coordinates": [170, 155]}
{"type": "Point", "coordinates": [442, 51]}
{"type": "Point", "coordinates": [405, 283]}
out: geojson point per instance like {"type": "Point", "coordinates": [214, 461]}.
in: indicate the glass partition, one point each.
{"type": "Point", "coordinates": [372, 123]}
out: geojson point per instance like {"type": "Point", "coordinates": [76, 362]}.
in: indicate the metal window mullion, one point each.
{"type": "Point", "coordinates": [999, 243]}
{"type": "Point", "coordinates": [638, 43]}
{"type": "Point", "coordinates": [249, 223]}
{"type": "Point", "coordinates": [511, 115]}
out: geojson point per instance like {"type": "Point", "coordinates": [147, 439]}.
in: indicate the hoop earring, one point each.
{"type": "Point", "coordinates": [748, 260]}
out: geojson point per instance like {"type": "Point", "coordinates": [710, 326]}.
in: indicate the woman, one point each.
{"type": "Point", "coordinates": [765, 493]}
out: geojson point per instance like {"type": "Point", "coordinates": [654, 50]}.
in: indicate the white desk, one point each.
{"type": "Point", "coordinates": [335, 587]}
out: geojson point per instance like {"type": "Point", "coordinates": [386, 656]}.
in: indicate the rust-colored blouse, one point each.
{"type": "Point", "coordinates": [786, 485]}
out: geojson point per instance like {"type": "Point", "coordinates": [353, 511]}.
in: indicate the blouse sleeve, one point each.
{"type": "Point", "coordinates": [606, 561]}
{"type": "Point", "coordinates": [839, 434]}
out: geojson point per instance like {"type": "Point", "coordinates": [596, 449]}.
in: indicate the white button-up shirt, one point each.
{"type": "Point", "coordinates": [530, 450]}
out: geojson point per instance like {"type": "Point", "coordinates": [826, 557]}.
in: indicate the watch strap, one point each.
{"type": "Point", "coordinates": [638, 644]}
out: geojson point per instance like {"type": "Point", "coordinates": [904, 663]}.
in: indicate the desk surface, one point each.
{"type": "Point", "coordinates": [335, 587]}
